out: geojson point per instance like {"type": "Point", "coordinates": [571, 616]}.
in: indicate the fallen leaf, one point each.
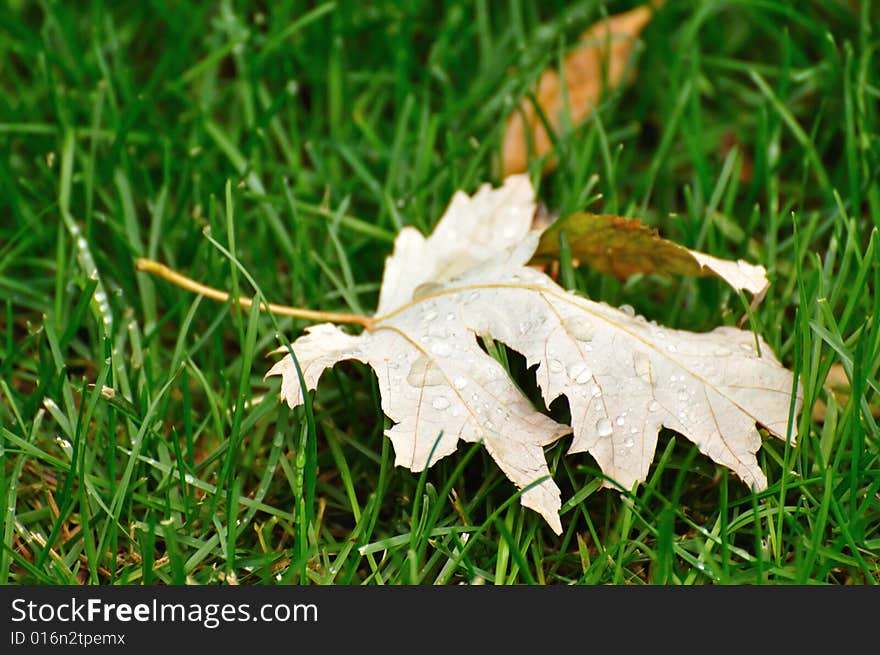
{"type": "Point", "coordinates": [599, 63]}
{"type": "Point", "coordinates": [624, 246]}
{"type": "Point", "coordinates": [624, 377]}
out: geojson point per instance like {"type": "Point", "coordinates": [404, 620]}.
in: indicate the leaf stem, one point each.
{"type": "Point", "coordinates": [161, 270]}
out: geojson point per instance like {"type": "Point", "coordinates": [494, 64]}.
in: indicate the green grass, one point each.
{"type": "Point", "coordinates": [286, 147]}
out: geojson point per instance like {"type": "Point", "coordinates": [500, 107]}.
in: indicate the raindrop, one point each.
{"type": "Point", "coordinates": [597, 392]}
{"type": "Point", "coordinates": [426, 289]}
{"type": "Point", "coordinates": [441, 349]}
{"type": "Point", "coordinates": [628, 310]}
{"type": "Point", "coordinates": [424, 373]}
{"type": "Point", "coordinates": [579, 373]}
{"type": "Point", "coordinates": [621, 419]}
{"type": "Point", "coordinates": [438, 330]}
{"type": "Point", "coordinates": [429, 316]}
{"type": "Point", "coordinates": [603, 427]}
{"type": "Point", "coordinates": [633, 430]}
{"type": "Point", "coordinates": [642, 366]}
{"type": "Point", "coordinates": [671, 348]}
{"type": "Point", "coordinates": [683, 394]}
{"type": "Point", "coordinates": [450, 316]}
{"type": "Point", "coordinates": [653, 406]}
{"type": "Point", "coordinates": [440, 402]}
{"type": "Point", "coordinates": [472, 296]}
{"type": "Point", "coordinates": [460, 382]}
{"type": "Point", "coordinates": [629, 443]}
{"type": "Point", "coordinates": [555, 366]}
{"type": "Point", "coordinates": [580, 327]}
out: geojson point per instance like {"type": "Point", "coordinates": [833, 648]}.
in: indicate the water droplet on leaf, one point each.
{"type": "Point", "coordinates": [438, 330]}
{"type": "Point", "coordinates": [424, 373]}
{"type": "Point", "coordinates": [441, 349]}
{"type": "Point", "coordinates": [425, 289]}
{"type": "Point", "coordinates": [580, 327]}
{"type": "Point", "coordinates": [642, 366]}
{"type": "Point", "coordinates": [579, 373]}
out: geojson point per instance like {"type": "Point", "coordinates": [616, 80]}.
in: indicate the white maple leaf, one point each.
{"type": "Point", "coordinates": [624, 377]}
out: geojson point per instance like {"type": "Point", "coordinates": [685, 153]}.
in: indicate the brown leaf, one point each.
{"type": "Point", "coordinates": [600, 63]}
{"type": "Point", "coordinates": [624, 246]}
{"type": "Point", "coordinates": [837, 385]}
{"type": "Point", "coordinates": [729, 141]}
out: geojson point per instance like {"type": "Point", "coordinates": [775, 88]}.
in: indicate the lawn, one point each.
{"type": "Point", "coordinates": [283, 145]}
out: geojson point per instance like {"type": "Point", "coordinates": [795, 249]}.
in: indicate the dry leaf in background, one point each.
{"type": "Point", "coordinates": [599, 63]}
{"type": "Point", "coordinates": [836, 384]}
{"type": "Point", "coordinates": [624, 377]}
{"type": "Point", "coordinates": [624, 246]}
